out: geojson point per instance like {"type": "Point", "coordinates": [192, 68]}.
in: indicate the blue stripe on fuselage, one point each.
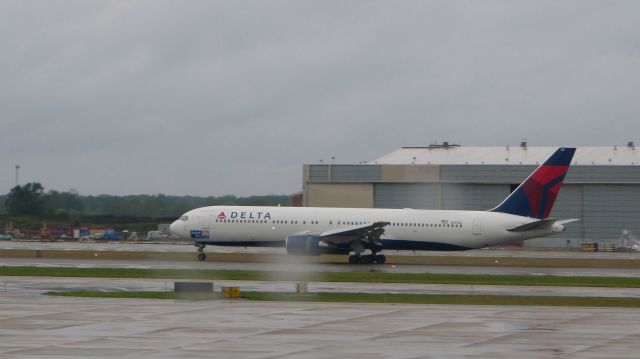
{"type": "Point", "coordinates": [387, 244]}
{"type": "Point", "coordinates": [397, 244]}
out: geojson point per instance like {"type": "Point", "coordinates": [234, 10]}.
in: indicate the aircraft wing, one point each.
{"type": "Point", "coordinates": [368, 230]}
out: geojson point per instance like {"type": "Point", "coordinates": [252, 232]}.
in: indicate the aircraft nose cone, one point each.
{"type": "Point", "coordinates": [177, 229]}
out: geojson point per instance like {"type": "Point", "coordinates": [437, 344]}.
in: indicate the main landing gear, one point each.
{"type": "Point", "coordinates": [367, 259]}
{"type": "Point", "coordinates": [201, 254]}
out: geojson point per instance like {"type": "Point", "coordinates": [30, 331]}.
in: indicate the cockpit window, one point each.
{"type": "Point", "coordinates": [184, 218]}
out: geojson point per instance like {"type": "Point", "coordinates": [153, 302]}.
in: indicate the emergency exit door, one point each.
{"type": "Point", "coordinates": [477, 227]}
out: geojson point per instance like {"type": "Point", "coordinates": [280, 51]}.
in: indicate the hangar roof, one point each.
{"type": "Point", "coordinates": [627, 155]}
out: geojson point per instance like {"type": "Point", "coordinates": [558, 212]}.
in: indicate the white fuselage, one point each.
{"type": "Point", "coordinates": [409, 229]}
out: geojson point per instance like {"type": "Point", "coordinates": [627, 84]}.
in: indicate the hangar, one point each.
{"type": "Point", "coordinates": [602, 188]}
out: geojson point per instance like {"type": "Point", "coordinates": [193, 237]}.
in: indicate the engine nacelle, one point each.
{"type": "Point", "coordinates": [304, 245]}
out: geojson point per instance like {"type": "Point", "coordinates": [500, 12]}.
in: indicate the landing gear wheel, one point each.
{"type": "Point", "coordinates": [202, 256]}
{"type": "Point", "coordinates": [354, 259]}
{"type": "Point", "coordinates": [380, 259]}
{"type": "Point", "coordinates": [368, 259]}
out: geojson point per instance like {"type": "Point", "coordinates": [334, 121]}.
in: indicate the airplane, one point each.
{"type": "Point", "coordinates": [313, 231]}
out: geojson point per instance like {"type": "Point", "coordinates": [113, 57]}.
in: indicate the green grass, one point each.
{"type": "Point", "coordinates": [365, 277]}
{"type": "Point", "coordinates": [382, 298]}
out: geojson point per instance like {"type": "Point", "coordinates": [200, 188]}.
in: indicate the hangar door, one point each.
{"type": "Point", "coordinates": [407, 195]}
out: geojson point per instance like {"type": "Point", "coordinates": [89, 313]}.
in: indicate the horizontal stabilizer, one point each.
{"type": "Point", "coordinates": [540, 224]}
{"type": "Point", "coordinates": [533, 225]}
{"type": "Point", "coordinates": [565, 221]}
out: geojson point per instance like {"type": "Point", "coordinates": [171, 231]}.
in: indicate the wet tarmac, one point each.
{"type": "Point", "coordinates": [35, 326]}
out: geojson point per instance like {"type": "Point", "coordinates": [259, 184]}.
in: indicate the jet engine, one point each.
{"type": "Point", "coordinates": [305, 245]}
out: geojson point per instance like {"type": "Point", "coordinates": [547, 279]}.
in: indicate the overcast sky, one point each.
{"type": "Point", "coordinates": [233, 97]}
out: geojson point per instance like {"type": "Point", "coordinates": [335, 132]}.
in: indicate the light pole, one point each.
{"type": "Point", "coordinates": [17, 170]}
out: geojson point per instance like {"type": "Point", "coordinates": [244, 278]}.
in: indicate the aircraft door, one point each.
{"type": "Point", "coordinates": [205, 221]}
{"type": "Point", "coordinates": [477, 227]}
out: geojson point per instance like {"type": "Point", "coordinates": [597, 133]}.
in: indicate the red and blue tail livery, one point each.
{"type": "Point", "coordinates": [535, 196]}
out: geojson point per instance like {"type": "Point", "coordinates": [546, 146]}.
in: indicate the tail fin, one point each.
{"type": "Point", "coordinates": [535, 196]}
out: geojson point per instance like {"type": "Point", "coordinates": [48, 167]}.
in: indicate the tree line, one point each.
{"type": "Point", "coordinates": [31, 199]}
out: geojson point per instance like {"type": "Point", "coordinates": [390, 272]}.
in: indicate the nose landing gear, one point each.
{"type": "Point", "coordinates": [201, 254]}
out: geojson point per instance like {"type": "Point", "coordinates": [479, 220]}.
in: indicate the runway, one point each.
{"type": "Point", "coordinates": [34, 326]}
{"type": "Point", "coordinates": [319, 267]}
{"type": "Point", "coordinates": [39, 285]}
{"type": "Point", "coordinates": [187, 247]}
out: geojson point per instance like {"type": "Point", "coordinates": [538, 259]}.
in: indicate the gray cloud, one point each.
{"type": "Point", "coordinates": [217, 97]}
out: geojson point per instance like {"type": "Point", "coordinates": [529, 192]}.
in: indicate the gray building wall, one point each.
{"type": "Point", "coordinates": [438, 195]}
